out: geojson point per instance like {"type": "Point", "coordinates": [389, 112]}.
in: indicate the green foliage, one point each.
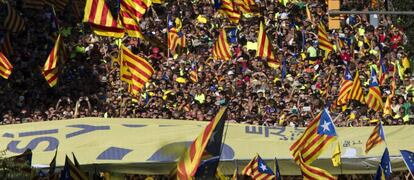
{"type": "Point", "coordinates": [12, 170]}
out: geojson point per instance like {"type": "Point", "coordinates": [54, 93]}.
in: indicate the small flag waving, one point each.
{"type": "Point", "coordinates": [376, 137]}
{"type": "Point", "coordinates": [336, 156]}
{"type": "Point", "coordinates": [384, 168]}
{"type": "Point", "coordinates": [221, 49]}
{"type": "Point", "coordinates": [98, 15]}
{"type": "Point", "coordinates": [408, 158]}
{"type": "Point", "coordinates": [130, 24]}
{"type": "Point", "coordinates": [208, 141]}
{"type": "Point", "coordinates": [141, 70]}
{"type": "Point", "coordinates": [227, 8]}
{"type": "Point", "coordinates": [50, 69]}
{"type": "Point", "coordinates": [373, 98]}
{"type": "Point", "coordinates": [194, 74]}
{"type": "Point", "coordinates": [319, 133]}
{"type": "Point", "coordinates": [5, 66]}
{"type": "Point", "coordinates": [323, 39]}
{"type": "Point", "coordinates": [356, 90]}
{"type": "Point", "coordinates": [346, 87]}
{"type": "Point", "coordinates": [257, 169]}
{"type": "Point", "coordinates": [383, 71]}
{"type": "Point", "coordinates": [264, 47]}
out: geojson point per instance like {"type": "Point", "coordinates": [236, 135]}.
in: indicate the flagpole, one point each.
{"type": "Point", "coordinates": [237, 168]}
{"type": "Point", "coordinates": [225, 135]}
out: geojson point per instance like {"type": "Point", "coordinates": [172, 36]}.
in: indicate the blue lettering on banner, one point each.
{"type": "Point", "coordinates": [134, 125]}
{"type": "Point", "coordinates": [113, 153]}
{"type": "Point", "coordinates": [8, 135]}
{"type": "Point", "coordinates": [276, 131]}
{"type": "Point", "coordinates": [52, 144]}
{"type": "Point", "coordinates": [41, 132]}
{"type": "Point", "coordinates": [85, 129]}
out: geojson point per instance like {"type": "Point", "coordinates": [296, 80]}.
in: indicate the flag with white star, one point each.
{"type": "Point", "coordinates": [408, 158]}
{"type": "Point", "coordinates": [318, 135]}
{"type": "Point", "coordinates": [326, 126]}
{"type": "Point", "coordinates": [374, 97]}
{"type": "Point", "coordinates": [257, 169]}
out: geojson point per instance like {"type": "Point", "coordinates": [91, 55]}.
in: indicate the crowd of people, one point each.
{"type": "Point", "coordinates": [89, 84]}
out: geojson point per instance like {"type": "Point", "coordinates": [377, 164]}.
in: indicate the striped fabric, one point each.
{"type": "Point", "coordinates": [188, 163]}
{"type": "Point", "coordinates": [33, 4]}
{"type": "Point", "coordinates": [59, 5]}
{"type": "Point", "coordinates": [324, 42]}
{"type": "Point", "coordinates": [356, 90]}
{"type": "Point", "coordinates": [50, 69]}
{"type": "Point", "coordinates": [221, 49]}
{"type": "Point", "coordinates": [346, 86]}
{"type": "Point", "coordinates": [374, 97]}
{"type": "Point", "coordinates": [13, 22]}
{"type": "Point", "coordinates": [310, 144]}
{"type": "Point", "coordinates": [376, 137]}
{"type": "Point", "coordinates": [6, 46]}
{"type": "Point", "coordinates": [130, 24]}
{"type": "Point", "coordinates": [125, 74]}
{"type": "Point", "coordinates": [141, 70]}
{"type": "Point", "coordinates": [98, 15]}
{"type": "Point", "coordinates": [194, 74]}
{"type": "Point", "coordinates": [136, 8]}
{"type": "Point", "coordinates": [250, 2]}
{"type": "Point", "coordinates": [175, 39]}
{"type": "Point", "coordinates": [383, 71]}
{"type": "Point", "coordinates": [314, 173]}
{"type": "Point", "coordinates": [5, 66]}
{"type": "Point", "coordinates": [255, 170]}
{"type": "Point", "coordinates": [264, 47]}
{"type": "Point", "coordinates": [228, 9]}
{"type": "Point", "coordinates": [242, 6]}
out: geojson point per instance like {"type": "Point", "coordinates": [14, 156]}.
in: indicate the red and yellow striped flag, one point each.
{"type": "Point", "coordinates": [377, 137]}
{"type": "Point", "coordinates": [314, 173]}
{"type": "Point", "coordinates": [141, 70]}
{"type": "Point", "coordinates": [242, 6]}
{"type": "Point", "coordinates": [190, 160]}
{"type": "Point", "coordinates": [194, 74]}
{"type": "Point", "coordinates": [314, 140]}
{"type": "Point", "coordinates": [228, 9]}
{"type": "Point", "coordinates": [324, 42]}
{"type": "Point", "coordinates": [356, 90]}
{"type": "Point", "coordinates": [5, 67]}
{"type": "Point", "coordinates": [175, 39]}
{"type": "Point", "coordinates": [98, 15]}
{"type": "Point", "coordinates": [264, 47]}
{"type": "Point", "coordinates": [50, 69]}
{"type": "Point", "coordinates": [221, 49]}
{"type": "Point", "coordinates": [131, 25]}
{"type": "Point", "coordinates": [136, 8]}
{"type": "Point", "coordinates": [346, 87]}
{"type": "Point", "coordinates": [374, 97]}
{"type": "Point", "coordinates": [13, 22]}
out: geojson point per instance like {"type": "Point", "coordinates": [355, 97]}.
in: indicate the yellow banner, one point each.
{"type": "Point", "coordinates": [151, 146]}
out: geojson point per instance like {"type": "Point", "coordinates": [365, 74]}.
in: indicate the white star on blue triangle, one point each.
{"type": "Point", "coordinates": [348, 74]}
{"type": "Point", "coordinates": [263, 168]}
{"type": "Point", "coordinates": [326, 125]}
{"type": "Point", "coordinates": [373, 79]}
